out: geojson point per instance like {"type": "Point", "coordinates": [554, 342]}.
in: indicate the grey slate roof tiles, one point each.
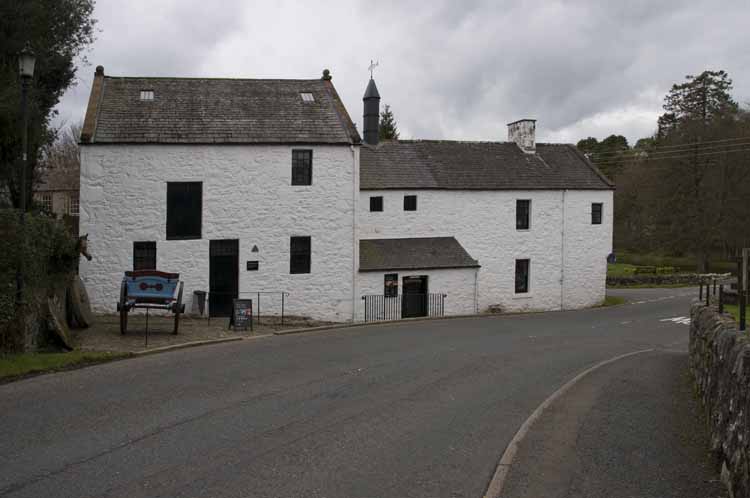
{"type": "Point", "coordinates": [202, 110]}
{"type": "Point", "coordinates": [454, 165]}
{"type": "Point", "coordinates": [413, 254]}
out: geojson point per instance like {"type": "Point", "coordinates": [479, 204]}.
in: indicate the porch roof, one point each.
{"type": "Point", "coordinates": [413, 254]}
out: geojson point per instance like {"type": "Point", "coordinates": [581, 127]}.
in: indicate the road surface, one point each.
{"type": "Point", "coordinates": [419, 409]}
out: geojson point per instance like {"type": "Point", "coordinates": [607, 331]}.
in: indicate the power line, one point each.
{"type": "Point", "coordinates": [683, 156]}
{"type": "Point", "coordinates": [677, 146]}
{"type": "Point", "coordinates": [639, 153]}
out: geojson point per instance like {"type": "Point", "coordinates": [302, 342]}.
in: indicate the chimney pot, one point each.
{"type": "Point", "coordinates": [523, 133]}
{"type": "Point", "coordinates": [99, 71]}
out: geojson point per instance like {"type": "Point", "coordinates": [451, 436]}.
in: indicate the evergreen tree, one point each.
{"type": "Point", "coordinates": [58, 32]}
{"type": "Point", "coordinates": [387, 129]}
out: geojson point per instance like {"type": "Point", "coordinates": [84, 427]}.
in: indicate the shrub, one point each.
{"type": "Point", "coordinates": [49, 254]}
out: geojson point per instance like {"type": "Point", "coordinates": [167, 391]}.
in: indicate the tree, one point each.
{"type": "Point", "coordinates": [686, 189]}
{"type": "Point", "coordinates": [387, 129]}
{"type": "Point", "coordinates": [58, 32]}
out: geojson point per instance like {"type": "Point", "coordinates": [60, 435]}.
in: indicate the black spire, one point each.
{"type": "Point", "coordinates": [372, 113]}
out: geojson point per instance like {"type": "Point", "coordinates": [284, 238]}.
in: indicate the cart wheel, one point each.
{"type": "Point", "coordinates": [123, 308]}
{"type": "Point", "coordinates": [178, 309]}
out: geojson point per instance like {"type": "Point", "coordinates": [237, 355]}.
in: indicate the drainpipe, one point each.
{"type": "Point", "coordinates": [476, 290]}
{"type": "Point", "coordinates": [562, 255]}
{"type": "Point", "coordinates": [355, 242]}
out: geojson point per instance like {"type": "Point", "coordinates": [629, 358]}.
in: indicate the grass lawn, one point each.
{"type": "Point", "coordinates": [735, 311]}
{"type": "Point", "coordinates": [17, 365]}
{"type": "Point", "coordinates": [613, 301]}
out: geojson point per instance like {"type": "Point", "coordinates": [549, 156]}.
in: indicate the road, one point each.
{"type": "Point", "coordinates": [418, 409]}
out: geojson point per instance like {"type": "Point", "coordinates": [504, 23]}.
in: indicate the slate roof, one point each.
{"type": "Point", "coordinates": [413, 254]}
{"type": "Point", "coordinates": [454, 165]}
{"type": "Point", "coordinates": [202, 110]}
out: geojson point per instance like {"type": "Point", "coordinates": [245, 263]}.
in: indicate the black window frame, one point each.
{"type": "Point", "coordinates": [302, 167]}
{"type": "Point", "coordinates": [410, 203]}
{"type": "Point", "coordinates": [523, 276]}
{"type": "Point", "coordinates": [376, 203]}
{"type": "Point", "coordinates": [300, 250]}
{"type": "Point", "coordinates": [177, 226]}
{"type": "Point", "coordinates": [523, 214]}
{"type": "Point", "coordinates": [144, 255]}
{"type": "Point", "coordinates": [597, 209]}
{"type": "Point", "coordinates": [390, 285]}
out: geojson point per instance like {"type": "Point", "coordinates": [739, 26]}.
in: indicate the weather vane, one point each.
{"type": "Point", "coordinates": [373, 65]}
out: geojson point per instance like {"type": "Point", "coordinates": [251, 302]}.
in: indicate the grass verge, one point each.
{"type": "Point", "coordinates": [20, 365]}
{"type": "Point", "coordinates": [613, 301]}
{"type": "Point", "coordinates": [652, 286]}
{"type": "Point", "coordinates": [734, 310]}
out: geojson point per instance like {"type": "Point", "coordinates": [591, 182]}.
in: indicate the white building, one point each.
{"type": "Point", "coordinates": [246, 186]}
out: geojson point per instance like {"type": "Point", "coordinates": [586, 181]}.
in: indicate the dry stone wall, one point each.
{"type": "Point", "coordinates": [720, 365]}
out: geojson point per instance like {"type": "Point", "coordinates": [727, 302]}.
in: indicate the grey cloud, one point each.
{"type": "Point", "coordinates": [449, 69]}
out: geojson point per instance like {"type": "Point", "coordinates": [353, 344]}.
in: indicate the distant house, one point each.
{"type": "Point", "coordinates": [58, 193]}
{"type": "Point", "coordinates": [262, 186]}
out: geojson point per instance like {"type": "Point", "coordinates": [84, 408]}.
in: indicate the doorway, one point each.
{"type": "Point", "coordinates": [223, 276]}
{"type": "Point", "coordinates": [414, 300]}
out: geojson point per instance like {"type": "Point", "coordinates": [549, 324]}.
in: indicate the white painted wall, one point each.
{"type": "Point", "coordinates": [484, 222]}
{"type": "Point", "coordinates": [458, 284]}
{"type": "Point", "coordinates": [247, 195]}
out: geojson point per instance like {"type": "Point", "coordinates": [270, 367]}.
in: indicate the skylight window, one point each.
{"type": "Point", "coordinates": [147, 95]}
{"type": "Point", "coordinates": [307, 97]}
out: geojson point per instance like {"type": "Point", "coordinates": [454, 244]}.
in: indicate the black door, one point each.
{"type": "Point", "coordinates": [223, 276]}
{"type": "Point", "coordinates": [414, 297]}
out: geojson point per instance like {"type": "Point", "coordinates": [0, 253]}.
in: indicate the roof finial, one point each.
{"type": "Point", "coordinates": [373, 65]}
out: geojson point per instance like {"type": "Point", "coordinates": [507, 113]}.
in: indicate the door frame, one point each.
{"type": "Point", "coordinates": [409, 303]}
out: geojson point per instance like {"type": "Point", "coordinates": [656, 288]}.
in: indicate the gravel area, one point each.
{"type": "Point", "coordinates": [105, 335]}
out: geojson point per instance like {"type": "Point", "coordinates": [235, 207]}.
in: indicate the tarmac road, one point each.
{"type": "Point", "coordinates": [417, 409]}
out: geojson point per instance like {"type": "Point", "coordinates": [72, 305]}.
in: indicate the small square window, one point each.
{"type": "Point", "coordinates": [307, 97]}
{"type": "Point", "coordinates": [596, 213]}
{"type": "Point", "coordinates": [147, 95]}
{"type": "Point", "coordinates": [144, 255]}
{"type": "Point", "coordinates": [301, 167]}
{"type": "Point", "coordinates": [523, 214]}
{"type": "Point", "coordinates": [522, 276]}
{"type": "Point", "coordinates": [410, 203]}
{"type": "Point", "coordinates": [376, 203]}
{"type": "Point", "coordinates": [390, 288]}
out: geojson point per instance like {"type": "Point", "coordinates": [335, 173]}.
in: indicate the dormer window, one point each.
{"type": "Point", "coordinates": [147, 95]}
{"type": "Point", "coordinates": [307, 97]}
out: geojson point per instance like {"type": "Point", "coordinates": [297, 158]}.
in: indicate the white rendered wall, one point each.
{"type": "Point", "coordinates": [458, 284]}
{"type": "Point", "coordinates": [247, 195]}
{"type": "Point", "coordinates": [484, 222]}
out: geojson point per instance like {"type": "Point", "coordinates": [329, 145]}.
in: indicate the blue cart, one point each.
{"type": "Point", "coordinates": [150, 289]}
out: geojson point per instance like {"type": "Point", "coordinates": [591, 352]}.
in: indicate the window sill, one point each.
{"type": "Point", "coordinates": [523, 229]}
{"type": "Point", "coordinates": [185, 238]}
{"type": "Point", "coordinates": [525, 295]}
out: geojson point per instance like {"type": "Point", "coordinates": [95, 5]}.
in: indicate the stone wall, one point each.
{"type": "Point", "coordinates": [247, 195]}
{"type": "Point", "coordinates": [720, 365]}
{"type": "Point", "coordinates": [673, 279]}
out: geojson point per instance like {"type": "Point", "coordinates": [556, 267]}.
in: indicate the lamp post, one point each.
{"type": "Point", "coordinates": [26, 61]}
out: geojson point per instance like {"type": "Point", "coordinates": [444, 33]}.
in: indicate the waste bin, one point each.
{"type": "Point", "coordinates": [199, 302]}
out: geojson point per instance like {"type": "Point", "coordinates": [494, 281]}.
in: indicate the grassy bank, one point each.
{"type": "Point", "coordinates": [19, 365]}
{"type": "Point", "coordinates": [681, 263]}
{"type": "Point", "coordinates": [613, 301]}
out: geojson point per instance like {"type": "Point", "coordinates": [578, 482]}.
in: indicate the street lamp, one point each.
{"type": "Point", "coordinates": [26, 61]}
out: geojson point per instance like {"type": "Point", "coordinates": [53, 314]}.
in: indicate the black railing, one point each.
{"type": "Point", "coordinates": [380, 307]}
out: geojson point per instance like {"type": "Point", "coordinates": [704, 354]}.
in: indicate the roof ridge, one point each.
{"type": "Point", "coordinates": [207, 78]}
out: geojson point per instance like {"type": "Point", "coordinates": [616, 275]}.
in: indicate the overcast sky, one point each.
{"type": "Point", "coordinates": [449, 69]}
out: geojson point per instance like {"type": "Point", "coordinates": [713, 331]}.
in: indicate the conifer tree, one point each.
{"type": "Point", "coordinates": [388, 130]}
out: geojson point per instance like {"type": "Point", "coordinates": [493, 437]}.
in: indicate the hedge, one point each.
{"type": "Point", "coordinates": [49, 254]}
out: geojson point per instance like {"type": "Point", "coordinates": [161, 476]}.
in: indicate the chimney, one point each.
{"type": "Point", "coordinates": [372, 113]}
{"type": "Point", "coordinates": [89, 122]}
{"type": "Point", "coordinates": [523, 133]}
